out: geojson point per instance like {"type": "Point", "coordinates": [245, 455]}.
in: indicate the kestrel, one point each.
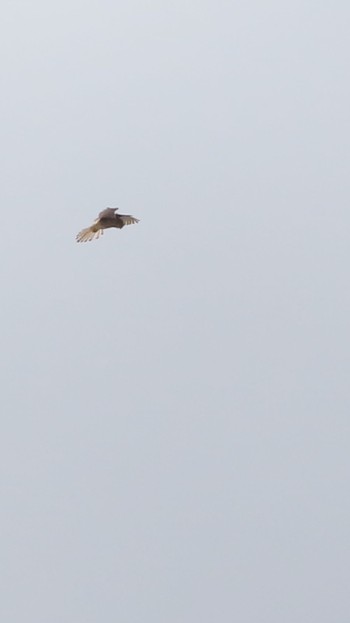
{"type": "Point", "coordinates": [107, 218]}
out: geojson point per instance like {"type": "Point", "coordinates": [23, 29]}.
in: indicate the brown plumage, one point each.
{"type": "Point", "coordinates": [107, 218]}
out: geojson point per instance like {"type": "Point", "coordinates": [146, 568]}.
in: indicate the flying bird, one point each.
{"type": "Point", "coordinates": [107, 218]}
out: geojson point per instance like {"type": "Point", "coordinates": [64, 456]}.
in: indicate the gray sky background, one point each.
{"type": "Point", "coordinates": [175, 396]}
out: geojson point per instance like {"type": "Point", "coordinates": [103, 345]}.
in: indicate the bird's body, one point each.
{"type": "Point", "coordinates": [106, 219]}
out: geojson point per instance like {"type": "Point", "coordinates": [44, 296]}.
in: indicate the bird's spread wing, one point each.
{"type": "Point", "coordinates": [89, 233]}
{"type": "Point", "coordinates": [127, 219]}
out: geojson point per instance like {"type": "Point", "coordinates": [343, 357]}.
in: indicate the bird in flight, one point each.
{"type": "Point", "coordinates": [107, 218]}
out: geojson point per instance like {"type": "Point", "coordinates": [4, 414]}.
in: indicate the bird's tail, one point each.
{"type": "Point", "coordinates": [85, 235]}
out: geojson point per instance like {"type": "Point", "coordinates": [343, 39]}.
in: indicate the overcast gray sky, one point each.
{"type": "Point", "coordinates": [175, 396]}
